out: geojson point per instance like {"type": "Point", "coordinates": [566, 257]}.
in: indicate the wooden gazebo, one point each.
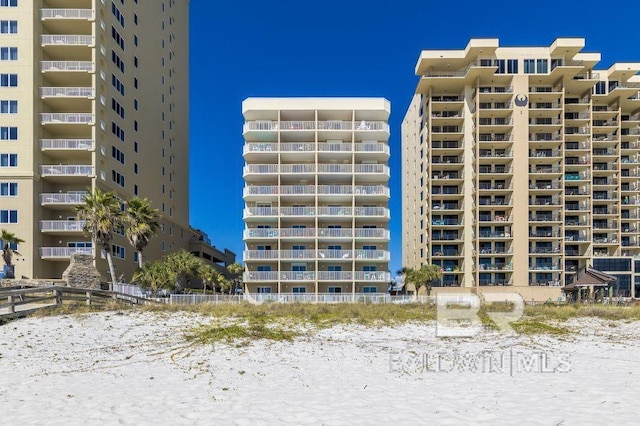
{"type": "Point", "coordinates": [592, 280]}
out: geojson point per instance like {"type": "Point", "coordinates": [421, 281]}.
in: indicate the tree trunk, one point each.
{"type": "Point", "coordinates": [112, 270]}
{"type": "Point", "coordinates": [140, 259]}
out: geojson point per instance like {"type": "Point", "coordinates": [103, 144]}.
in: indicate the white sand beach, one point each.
{"type": "Point", "coordinates": [136, 368]}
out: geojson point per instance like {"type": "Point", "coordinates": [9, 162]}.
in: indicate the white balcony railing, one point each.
{"type": "Point", "coordinates": [268, 125]}
{"type": "Point", "coordinates": [59, 198]}
{"type": "Point", "coordinates": [335, 276]}
{"type": "Point", "coordinates": [297, 211]}
{"type": "Point", "coordinates": [72, 144]}
{"type": "Point", "coordinates": [68, 92]}
{"type": "Point", "coordinates": [371, 211]}
{"type": "Point", "coordinates": [297, 275]}
{"type": "Point", "coordinates": [67, 14]}
{"type": "Point", "coordinates": [51, 170]}
{"type": "Point", "coordinates": [66, 118]}
{"type": "Point", "coordinates": [364, 233]}
{"type": "Point", "coordinates": [253, 276]}
{"type": "Point", "coordinates": [63, 252]}
{"type": "Point", "coordinates": [260, 211]}
{"type": "Point", "coordinates": [67, 66]}
{"type": "Point", "coordinates": [66, 40]}
{"type": "Point", "coordinates": [379, 276]}
{"type": "Point", "coordinates": [62, 225]}
{"type": "Point", "coordinates": [380, 255]}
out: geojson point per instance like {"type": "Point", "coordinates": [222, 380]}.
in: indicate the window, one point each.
{"type": "Point", "coordinates": [8, 133]}
{"type": "Point", "coordinates": [116, 12]}
{"type": "Point", "coordinates": [8, 107]}
{"type": "Point", "coordinates": [512, 66]}
{"type": "Point", "coordinates": [8, 216]}
{"type": "Point", "coordinates": [8, 189]}
{"type": "Point", "coordinates": [8, 53]}
{"type": "Point", "coordinates": [299, 290]}
{"type": "Point", "coordinates": [135, 147]}
{"type": "Point", "coordinates": [135, 39]}
{"type": "Point", "coordinates": [117, 154]}
{"type": "Point", "coordinates": [369, 289]}
{"type": "Point", "coordinates": [117, 130]}
{"type": "Point", "coordinates": [135, 170]}
{"type": "Point", "coordinates": [8, 160]}
{"type": "Point", "coordinates": [117, 178]}
{"type": "Point", "coordinates": [117, 84]}
{"type": "Point", "coordinates": [335, 289]}
{"type": "Point", "coordinates": [135, 17]}
{"type": "Point", "coordinates": [116, 60]}
{"type": "Point", "coordinates": [542, 66]}
{"type": "Point", "coordinates": [118, 251]}
{"type": "Point", "coordinates": [264, 290]}
{"type": "Point", "coordinates": [117, 37]}
{"type": "Point", "coordinates": [369, 268]}
{"type": "Point", "coordinates": [529, 66]}
{"type": "Point", "coordinates": [135, 104]}
{"type": "Point", "coordinates": [119, 109]}
{"type": "Point", "coordinates": [8, 27]}
{"type": "Point", "coordinates": [10, 3]}
{"type": "Point", "coordinates": [12, 246]}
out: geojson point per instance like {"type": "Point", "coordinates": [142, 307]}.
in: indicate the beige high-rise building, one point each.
{"type": "Point", "coordinates": [94, 94]}
{"type": "Point", "coordinates": [520, 167]}
{"type": "Point", "coordinates": [316, 196]}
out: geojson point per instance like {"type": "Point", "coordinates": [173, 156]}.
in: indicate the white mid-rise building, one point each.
{"type": "Point", "coordinates": [316, 195]}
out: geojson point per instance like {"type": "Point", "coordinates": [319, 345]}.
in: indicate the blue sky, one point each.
{"type": "Point", "coordinates": [285, 48]}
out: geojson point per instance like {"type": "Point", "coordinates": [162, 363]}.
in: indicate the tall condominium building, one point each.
{"type": "Point", "coordinates": [520, 167]}
{"type": "Point", "coordinates": [316, 195]}
{"type": "Point", "coordinates": [94, 94]}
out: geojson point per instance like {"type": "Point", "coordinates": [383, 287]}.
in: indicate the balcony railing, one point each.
{"type": "Point", "coordinates": [63, 252]}
{"type": "Point", "coordinates": [66, 118]}
{"type": "Point", "coordinates": [60, 198]}
{"type": "Point", "coordinates": [260, 211]}
{"type": "Point", "coordinates": [316, 254]}
{"type": "Point", "coordinates": [51, 170]}
{"type": "Point", "coordinates": [252, 276]}
{"type": "Point", "coordinates": [72, 144]}
{"type": "Point", "coordinates": [360, 233]}
{"type": "Point", "coordinates": [67, 92]}
{"type": "Point", "coordinates": [70, 66]}
{"type": "Point", "coordinates": [62, 225]}
{"type": "Point", "coordinates": [363, 125]}
{"type": "Point", "coordinates": [67, 14]}
{"type": "Point", "coordinates": [67, 40]}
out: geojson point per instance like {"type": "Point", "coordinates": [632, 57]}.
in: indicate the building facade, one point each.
{"type": "Point", "coordinates": [520, 167]}
{"type": "Point", "coordinates": [96, 96]}
{"type": "Point", "coordinates": [316, 195]}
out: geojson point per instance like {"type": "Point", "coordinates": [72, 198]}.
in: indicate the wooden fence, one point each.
{"type": "Point", "coordinates": [21, 301]}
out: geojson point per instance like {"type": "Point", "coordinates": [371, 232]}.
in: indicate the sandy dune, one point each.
{"type": "Point", "coordinates": [136, 368]}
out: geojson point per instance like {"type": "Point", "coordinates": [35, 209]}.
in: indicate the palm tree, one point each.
{"type": "Point", "coordinates": [235, 269]}
{"type": "Point", "coordinates": [422, 277]}
{"type": "Point", "coordinates": [156, 276]}
{"type": "Point", "coordinates": [209, 276]}
{"type": "Point", "coordinates": [184, 265]}
{"type": "Point", "coordinates": [142, 223]}
{"type": "Point", "coordinates": [102, 213]}
{"type": "Point", "coordinates": [9, 239]}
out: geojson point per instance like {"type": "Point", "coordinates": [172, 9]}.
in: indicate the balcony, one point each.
{"type": "Point", "coordinates": [62, 199]}
{"type": "Point", "coordinates": [66, 118]}
{"type": "Point", "coordinates": [62, 226]}
{"type": "Point", "coordinates": [335, 276]}
{"type": "Point", "coordinates": [260, 276]}
{"type": "Point", "coordinates": [62, 253]}
{"type": "Point", "coordinates": [67, 144]}
{"type": "Point", "coordinates": [260, 212]}
{"type": "Point", "coordinates": [67, 92]}
{"type": "Point", "coordinates": [378, 276]}
{"type": "Point", "coordinates": [328, 125]}
{"type": "Point", "coordinates": [80, 170]}
{"type": "Point", "coordinates": [84, 14]}
{"type": "Point", "coordinates": [67, 66]}
{"type": "Point", "coordinates": [297, 275]}
{"type": "Point", "coordinates": [67, 40]}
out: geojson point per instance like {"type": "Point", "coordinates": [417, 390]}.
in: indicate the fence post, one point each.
{"type": "Point", "coordinates": [88, 294]}
{"type": "Point", "coordinates": [58, 295]}
{"type": "Point", "coordinates": [12, 307]}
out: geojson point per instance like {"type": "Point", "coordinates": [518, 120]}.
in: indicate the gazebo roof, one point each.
{"type": "Point", "coordinates": [592, 278]}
